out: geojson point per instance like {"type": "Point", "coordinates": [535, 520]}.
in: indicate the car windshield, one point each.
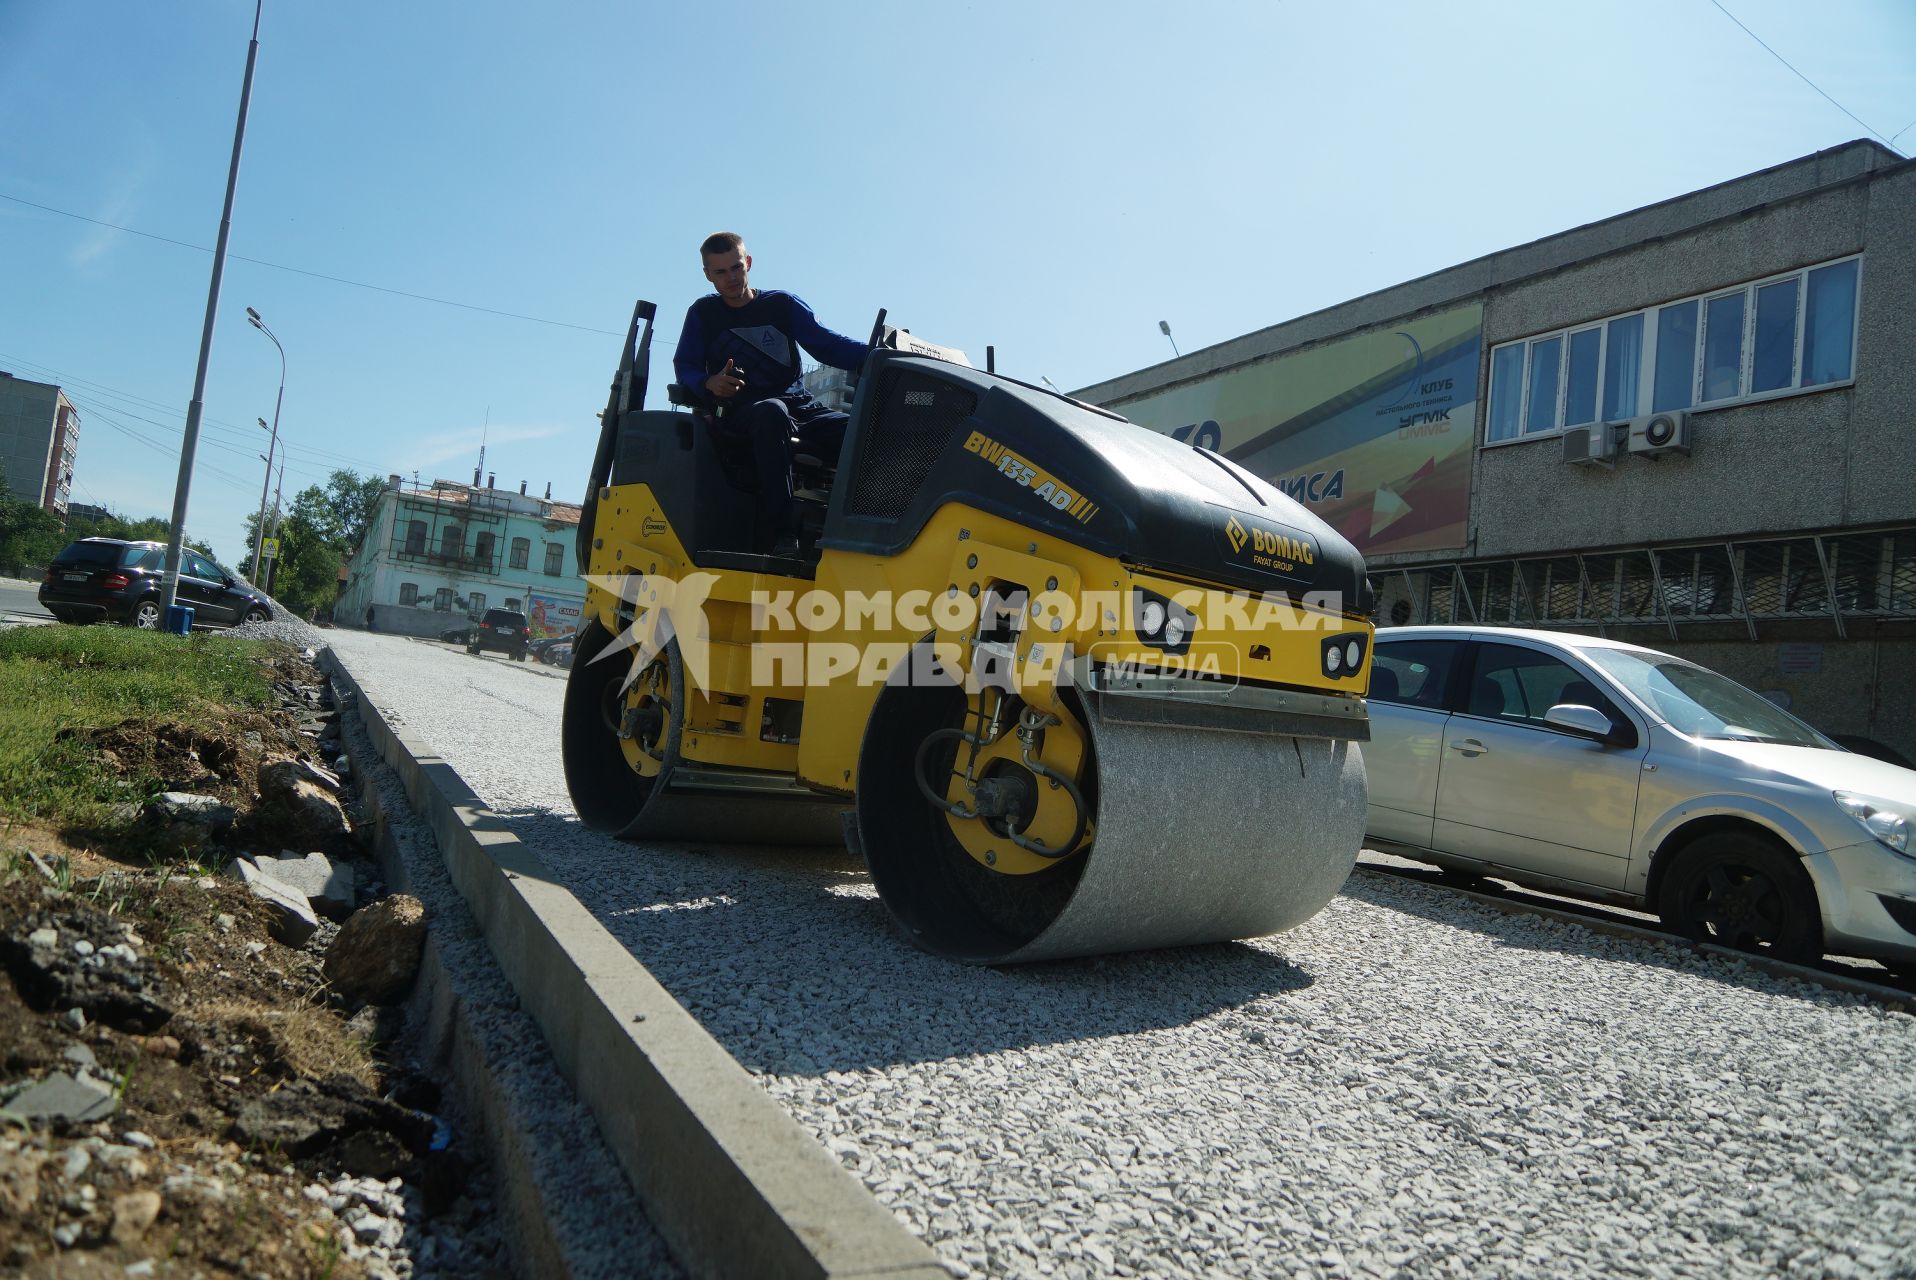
{"type": "Point", "coordinates": [91, 553]}
{"type": "Point", "coordinates": [1701, 703]}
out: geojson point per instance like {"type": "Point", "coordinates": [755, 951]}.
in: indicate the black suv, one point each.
{"type": "Point", "coordinates": [123, 581]}
{"type": "Point", "coordinates": [503, 630]}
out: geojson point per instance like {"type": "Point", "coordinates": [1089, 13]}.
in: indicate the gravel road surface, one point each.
{"type": "Point", "coordinates": [1408, 1085]}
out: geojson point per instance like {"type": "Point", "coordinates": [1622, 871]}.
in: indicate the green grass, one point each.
{"type": "Point", "coordinates": [63, 677]}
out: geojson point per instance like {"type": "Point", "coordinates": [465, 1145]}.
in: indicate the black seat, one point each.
{"type": "Point", "coordinates": [812, 477]}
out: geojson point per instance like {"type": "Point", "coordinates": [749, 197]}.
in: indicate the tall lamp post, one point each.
{"type": "Point", "coordinates": [1164, 327]}
{"type": "Point", "coordinates": [259, 532]}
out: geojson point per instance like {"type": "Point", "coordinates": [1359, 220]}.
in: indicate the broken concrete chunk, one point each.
{"type": "Point", "coordinates": [64, 1097]}
{"type": "Point", "coordinates": [293, 921]}
{"type": "Point", "coordinates": [328, 886]}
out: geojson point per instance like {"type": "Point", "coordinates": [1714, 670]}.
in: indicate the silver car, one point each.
{"type": "Point", "coordinates": [1608, 771]}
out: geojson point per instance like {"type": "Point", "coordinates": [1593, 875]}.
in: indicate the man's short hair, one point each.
{"type": "Point", "coordinates": [721, 242]}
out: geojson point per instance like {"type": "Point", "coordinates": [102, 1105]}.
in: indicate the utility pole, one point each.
{"type": "Point", "coordinates": [259, 530]}
{"type": "Point", "coordinates": [277, 489]}
{"type": "Point", "coordinates": [176, 534]}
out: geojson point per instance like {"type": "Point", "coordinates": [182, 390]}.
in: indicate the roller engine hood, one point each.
{"type": "Point", "coordinates": [1071, 471]}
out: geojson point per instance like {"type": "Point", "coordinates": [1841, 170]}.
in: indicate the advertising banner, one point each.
{"type": "Point", "coordinates": [1372, 433]}
{"type": "Point", "coordinates": [552, 615]}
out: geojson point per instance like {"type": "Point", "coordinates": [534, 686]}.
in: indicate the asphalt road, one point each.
{"type": "Point", "coordinates": [1409, 1084]}
{"type": "Point", "coordinates": [20, 602]}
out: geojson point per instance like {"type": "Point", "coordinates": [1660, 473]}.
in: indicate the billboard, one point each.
{"type": "Point", "coordinates": [552, 615]}
{"type": "Point", "coordinates": [1372, 433]}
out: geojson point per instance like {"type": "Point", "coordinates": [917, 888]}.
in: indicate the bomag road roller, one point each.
{"type": "Point", "coordinates": [1067, 684]}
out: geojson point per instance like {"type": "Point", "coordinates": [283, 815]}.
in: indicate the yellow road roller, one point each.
{"type": "Point", "coordinates": [1067, 685]}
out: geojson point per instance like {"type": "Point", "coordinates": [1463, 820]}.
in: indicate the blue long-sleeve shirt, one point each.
{"type": "Point", "coordinates": [762, 340]}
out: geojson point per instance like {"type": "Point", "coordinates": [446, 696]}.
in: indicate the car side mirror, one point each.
{"type": "Point", "coordinates": [1587, 722]}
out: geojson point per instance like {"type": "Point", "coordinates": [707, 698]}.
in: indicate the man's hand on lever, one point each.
{"type": "Point", "coordinates": [725, 383]}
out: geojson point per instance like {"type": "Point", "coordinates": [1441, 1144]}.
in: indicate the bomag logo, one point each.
{"type": "Point", "coordinates": [651, 527]}
{"type": "Point", "coordinates": [1268, 547]}
{"type": "Point", "coordinates": [1042, 485]}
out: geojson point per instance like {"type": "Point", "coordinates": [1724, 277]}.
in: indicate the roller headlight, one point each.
{"type": "Point", "coordinates": [1885, 825]}
{"type": "Point", "coordinates": [1343, 656]}
{"type": "Point", "coordinates": [1151, 619]}
{"type": "Point", "coordinates": [1173, 633]}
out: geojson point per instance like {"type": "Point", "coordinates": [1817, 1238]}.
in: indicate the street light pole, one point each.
{"type": "Point", "coordinates": [1164, 327]}
{"type": "Point", "coordinates": [176, 535]}
{"type": "Point", "coordinates": [259, 531]}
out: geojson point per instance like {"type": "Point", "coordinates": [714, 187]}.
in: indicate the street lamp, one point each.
{"type": "Point", "coordinates": [259, 532]}
{"type": "Point", "coordinates": [1164, 327]}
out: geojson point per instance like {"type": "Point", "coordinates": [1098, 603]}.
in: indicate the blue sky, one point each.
{"type": "Point", "coordinates": [1052, 178]}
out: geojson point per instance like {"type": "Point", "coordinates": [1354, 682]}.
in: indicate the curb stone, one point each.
{"type": "Point", "coordinates": [729, 1179]}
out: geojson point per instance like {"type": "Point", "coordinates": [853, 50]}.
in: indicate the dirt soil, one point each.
{"type": "Point", "coordinates": [234, 1115]}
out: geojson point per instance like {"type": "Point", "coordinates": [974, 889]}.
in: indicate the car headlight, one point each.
{"type": "Point", "coordinates": [1886, 825]}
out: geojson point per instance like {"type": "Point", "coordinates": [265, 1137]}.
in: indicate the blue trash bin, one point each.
{"type": "Point", "coordinates": [179, 620]}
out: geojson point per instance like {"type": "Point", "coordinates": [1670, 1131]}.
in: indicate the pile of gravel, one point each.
{"type": "Point", "coordinates": [1410, 1083]}
{"type": "Point", "coordinates": [286, 626]}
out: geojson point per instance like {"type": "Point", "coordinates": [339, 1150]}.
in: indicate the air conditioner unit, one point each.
{"type": "Point", "coordinates": [1660, 433]}
{"type": "Point", "coordinates": [1591, 445]}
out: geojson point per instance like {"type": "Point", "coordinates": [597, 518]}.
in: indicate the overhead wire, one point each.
{"type": "Point", "coordinates": [1800, 76]}
{"type": "Point", "coordinates": [316, 275]}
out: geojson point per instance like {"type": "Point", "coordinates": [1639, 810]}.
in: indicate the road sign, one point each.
{"type": "Point", "coordinates": [269, 549]}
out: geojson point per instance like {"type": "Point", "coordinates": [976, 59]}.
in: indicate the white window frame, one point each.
{"type": "Point", "coordinates": [1646, 365]}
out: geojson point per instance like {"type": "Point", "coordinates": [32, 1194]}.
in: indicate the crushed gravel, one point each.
{"type": "Point", "coordinates": [592, 1216]}
{"type": "Point", "coordinates": [1409, 1084]}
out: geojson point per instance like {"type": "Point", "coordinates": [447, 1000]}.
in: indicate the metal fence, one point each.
{"type": "Point", "coordinates": [1835, 577]}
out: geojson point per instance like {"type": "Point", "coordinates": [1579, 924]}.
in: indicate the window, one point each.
{"type": "Point", "coordinates": [476, 603]}
{"type": "Point", "coordinates": [1412, 673]}
{"type": "Point", "coordinates": [451, 539]}
{"type": "Point", "coordinates": [521, 548]}
{"type": "Point", "coordinates": [1775, 336]}
{"type": "Point", "coordinates": [200, 567]}
{"type": "Point", "coordinates": [1829, 331]}
{"type": "Point", "coordinates": [1521, 684]}
{"type": "Point", "coordinates": [1580, 383]}
{"type": "Point", "coordinates": [555, 559]}
{"type": "Point", "coordinates": [1723, 347]}
{"type": "Point", "coordinates": [512, 604]}
{"type": "Point", "coordinates": [1506, 391]}
{"type": "Point", "coordinates": [416, 538]}
{"type": "Point", "coordinates": [1676, 358]}
{"type": "Point", "coordinates": [408, 593]}
{"type": "Point", "coordinates": [1623, 357]}
{"type": "Point", "coordinates": [442, 600]}
{"type": "Point", "coordinates": [482, 548]}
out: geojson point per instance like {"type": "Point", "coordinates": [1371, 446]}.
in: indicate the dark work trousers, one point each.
{"type": "Point", "coordinates": [771, 423]}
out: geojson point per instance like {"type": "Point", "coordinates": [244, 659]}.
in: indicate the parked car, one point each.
{"type": "Point", "coordinates": [544, 646]}
{"type": "Point", "coordinates": [1607, 771]}
{"type": "Point", "coordinates": [458, 635]}
{"type": "Point", "coordinates": [503, 631]}
{"type": "Point", "coordinates": [114, 580]}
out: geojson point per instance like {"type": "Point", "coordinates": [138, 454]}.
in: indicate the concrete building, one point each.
{"type": "Point", "coordinates": [39, 437]}
{"type": "Point", "coordinates": [1686, 426]}
{"type": "Point", "coordinates": [436, 557]}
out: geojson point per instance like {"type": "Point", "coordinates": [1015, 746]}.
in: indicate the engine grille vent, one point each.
{"type": "Point", "coordinates": [918, 418]}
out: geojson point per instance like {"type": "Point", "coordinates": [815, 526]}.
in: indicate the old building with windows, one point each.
{"type": "Point", "coordinates": [435, 558]}
{"type": "Point", "coordinates": [39, 439]}
{"type": "Point", "coordinates": [1686, 426]}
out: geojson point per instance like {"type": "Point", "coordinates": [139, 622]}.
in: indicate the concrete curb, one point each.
{"type": "Point", "coordinates": [1896, 1000]}
{"type": "Point", "coordinates": [437, 1016]}
{"type": "Point", "coordinates": [729, 1179]}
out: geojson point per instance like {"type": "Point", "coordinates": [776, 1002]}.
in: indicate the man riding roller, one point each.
{"type": "Point", "coordinates": [741, 346]}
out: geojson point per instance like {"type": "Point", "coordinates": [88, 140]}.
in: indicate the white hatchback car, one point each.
{"type": "Point", "coordinates": [1608, 771]}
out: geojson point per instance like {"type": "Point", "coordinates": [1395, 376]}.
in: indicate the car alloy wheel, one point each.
{"type": "Point", "coordinates": [145, 615]}
{"type": "Point", "coordinates": [1744, 891]}
{"type": "Point", "coordinates": [255, 614]}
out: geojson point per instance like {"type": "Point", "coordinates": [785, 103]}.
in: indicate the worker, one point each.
{"type": "Point", "coordinates": [740, 346]}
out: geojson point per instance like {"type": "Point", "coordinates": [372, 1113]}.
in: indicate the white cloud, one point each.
{"type": "Point", "coordinates": [464, 442]}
